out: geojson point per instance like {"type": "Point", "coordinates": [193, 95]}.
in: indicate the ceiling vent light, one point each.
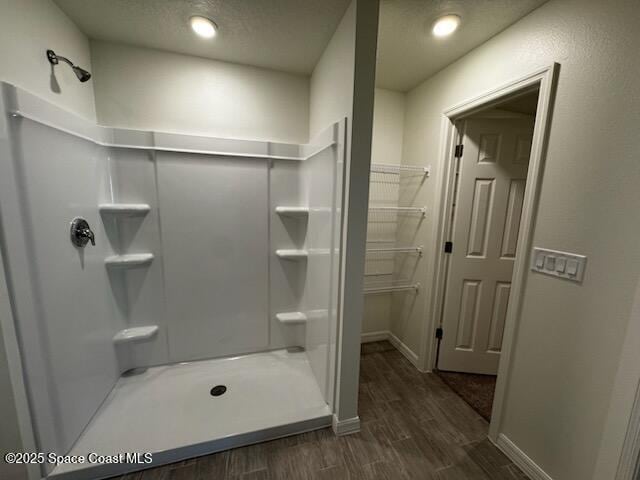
{"type": "Point", "coordinates": [446, 25]}
{"type": "Point", "coordinates": [203, 27]}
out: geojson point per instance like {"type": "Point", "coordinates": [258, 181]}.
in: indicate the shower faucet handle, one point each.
{"type": "Point", "coordinates": [87, 233]}
{"type": "Point", "coordinates": [81, 233]}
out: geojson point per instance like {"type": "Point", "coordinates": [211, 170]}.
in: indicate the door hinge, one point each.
{"type": "Point", "coordinates": [448, 247]}
{"type": "Point", "coordinates": [439, 333]}
{"type": "Point", "coordinates": [459, 150]}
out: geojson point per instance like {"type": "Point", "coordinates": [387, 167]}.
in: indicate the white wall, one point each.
{"type": "Point", "coordinates": [10, 435]}
{"type": "Point", "coordinates": [331, 100]}
{"type": "Point", "coordinates": [386, 147]}
{"type": "Point", "coordinates": [331, 89]}
{"type": "Point", "coordinates": [66, 314]}
{"type": "Point", "coordinates": [145, 89]}
{"type": "Point", "coordinates": [342, 85]}
{"type": "Point", "coordinates": [224, 221]}
{"type": "Point", "coordinates": [318, 175]}
{"type": "Point", "coordinates": [388, 126]}
{"type": "Point", "coordinates": [286, 278]}
{"type": "Point", "coordinates": [570, 336]}
{"type": "Point", "coordinates": [27, 29]}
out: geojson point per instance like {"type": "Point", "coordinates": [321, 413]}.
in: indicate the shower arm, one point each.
{"type": "Point", "coordinates": [54, 59]}
{"type": "Point", "coordinates": [81, 73]}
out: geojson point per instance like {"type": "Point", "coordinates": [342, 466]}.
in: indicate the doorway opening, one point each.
{"type": "Point", "coordinates": [515, 102]}
{"type": "Point", "coordinates": [490, 164]}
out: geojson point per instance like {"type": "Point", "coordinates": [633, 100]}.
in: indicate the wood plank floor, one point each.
{"type": "Point", "coordinates": [413, 427]}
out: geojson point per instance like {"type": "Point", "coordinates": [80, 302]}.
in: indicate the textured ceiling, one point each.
{"type": "Point", "coordinates": [290, 35]}
{"type": "Point", "coordinates": [409, 54]}
{"type": "Point", "coordinates": [286, 35]}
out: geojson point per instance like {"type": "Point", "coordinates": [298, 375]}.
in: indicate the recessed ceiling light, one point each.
{"type": "Point", "coordinates": [203, 27]}
{"type": "Point", "coordinates": [446, 25]}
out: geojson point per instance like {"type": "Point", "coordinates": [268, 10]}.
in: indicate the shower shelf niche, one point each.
{"type": "Point", "coordinates": [291, 317]}
{"type": "Point", "coordinates": [135, 334]}
{"type": "Point", "coordinates": [129, 260]}
{"type": "Point", "coordinates": [292, 254]}
{"type": "Point", "coordinates": [297, 212]}
{"type": "Point", "coordinates": [124, 209]}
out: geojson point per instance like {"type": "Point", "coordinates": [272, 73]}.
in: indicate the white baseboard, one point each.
{"type": "Point", "coordinates": [345, 427]}
{"type": "Point", "coordinates": [375, 336]}
{"type": "Point", "coordinates": [395, 341]}
{"type": "Point", "coordinates": [517, 456]}
{"type": "Point", "coordinates": [404, 350]}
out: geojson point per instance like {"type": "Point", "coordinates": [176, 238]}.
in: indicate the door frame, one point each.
{"type": "Point", "coordinates": [544, 80]}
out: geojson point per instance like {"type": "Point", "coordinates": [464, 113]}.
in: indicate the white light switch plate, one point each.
{"type": "Point", "coordinates": [558, 264]}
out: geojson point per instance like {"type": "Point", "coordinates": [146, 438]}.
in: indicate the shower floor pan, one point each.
{"type": "Point", "coordinates": [171, 412]}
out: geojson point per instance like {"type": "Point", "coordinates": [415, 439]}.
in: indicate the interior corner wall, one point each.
{"type": "Point", "coordinates": [331, 88]}
{"type": "Point", "coordinates": [386, 148]}
{"type": "Point", "coordinates": [570, 336]}
{"type": "Point", "coordinates": [146, 89]}
{"type": "Point", "coordinates": [28, 28]}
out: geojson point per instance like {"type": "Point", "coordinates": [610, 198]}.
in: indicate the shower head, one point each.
{"type": "Point", "coordinates": [81, 73]}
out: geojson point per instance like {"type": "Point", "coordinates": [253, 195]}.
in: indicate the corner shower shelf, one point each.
{"type": "Point", "coordinates": [135, 334]}
{"type": "Point", "coordinates": [420, 210]}
{"type": "Point", "coordinates": [396, 288]}
{"type": "Point", "coordinates": [291, 318]}
{"type": "Point", "coordinates": [289, 254]}
{"type": "Point", "coordinates": [130, 260]}
{"type": "Point", "coordinates": [293, 211]}
{"type": "Point", "coordinates": [396, 169]}
{"type": "Point", "coordinates": [125, 209]}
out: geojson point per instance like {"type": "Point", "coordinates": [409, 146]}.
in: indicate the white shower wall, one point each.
{"type": "Point", "coordinates": [213, 286]}
{"type": "Point", "coordinates": [63, 304]}
{"type": "Point", "coordinates": [138, 293]}
{"type": "Point", "coordinates": [215, 236]}
{"type": "Point", "coordinates": [322, 184]}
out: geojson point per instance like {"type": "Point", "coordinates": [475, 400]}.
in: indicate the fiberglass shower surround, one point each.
{"type": "Point", "coordinates": [215, 252]}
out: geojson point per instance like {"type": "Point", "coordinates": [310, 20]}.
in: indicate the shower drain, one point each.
{"type": "Point", "coordinates": [218, 390]}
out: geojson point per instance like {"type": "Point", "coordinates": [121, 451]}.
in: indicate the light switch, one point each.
{"type": "Point", "coordinates": [555, 263]}
{"type": "Point", "coordinates": [550, 262]}
{"type": "Point", "coordinates": [572, 267]}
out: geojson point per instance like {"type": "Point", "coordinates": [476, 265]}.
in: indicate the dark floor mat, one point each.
{"type": "Point", "coordinates": [476, 390]}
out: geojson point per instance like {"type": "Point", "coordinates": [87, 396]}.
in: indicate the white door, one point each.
{"type": "Point", "coordinates": [486, 218]}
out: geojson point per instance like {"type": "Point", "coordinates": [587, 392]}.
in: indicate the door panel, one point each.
{"type": "Point", "coordinates": [512, 221]}
{"type": "Point", "coordinates": [486, 221]}
{"type": "Point", "coordinates": [468, 319]}
{"type": "Point", "coordinates": [496, 329]}
{"type": "Point", "coordinates": [480, 216]}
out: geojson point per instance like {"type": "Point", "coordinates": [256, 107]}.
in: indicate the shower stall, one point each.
{"type": "Point", "coordinates": [205, 315]}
